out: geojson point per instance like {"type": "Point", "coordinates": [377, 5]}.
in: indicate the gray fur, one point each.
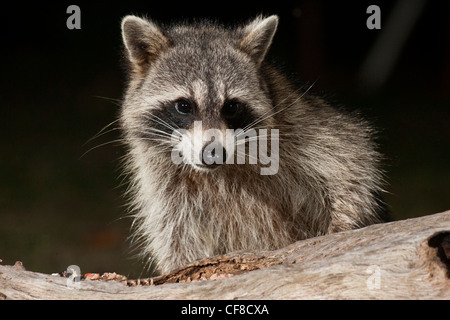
{"type": "Point", "coordinates": [328, 180]}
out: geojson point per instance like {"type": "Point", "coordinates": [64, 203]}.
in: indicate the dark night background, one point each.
{"type": "Point", "coordinates": [59, 87]}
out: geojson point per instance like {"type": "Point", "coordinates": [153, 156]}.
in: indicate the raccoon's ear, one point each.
{"type": "Point", "coordinates": [143, 40]}
{"type": "Point", "coordinates": [257, 37]}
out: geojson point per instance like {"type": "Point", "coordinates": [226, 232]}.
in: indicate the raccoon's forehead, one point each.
{"type": "Point", "coordinates": [204, 68]}
{"type": "Point", "coordinates": [205, 93]}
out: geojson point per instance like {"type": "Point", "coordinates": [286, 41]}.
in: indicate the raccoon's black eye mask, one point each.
{"type": "Point", "coordinates": [182, 113]}
{"type": "Point", "coordinates": [231, 108]}
{"type": "Point", "coordinates": [237, 114]}
{"type": "Point", "coordinates": [178, 114]}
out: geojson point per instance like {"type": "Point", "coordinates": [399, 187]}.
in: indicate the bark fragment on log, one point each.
{"type": "Point", "coordinates": [407, 259]}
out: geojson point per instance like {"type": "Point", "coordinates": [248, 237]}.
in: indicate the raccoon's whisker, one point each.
{"type": "Point", "coordinates": [98, 135]}
{"type": "Point", "coordinates": [279, 126]}
{"type": "Point", "coordinates": [279, 134]}
{"type": "Point", "coordinates": [157, 131]}
{"type": "Point", "coordinates": [158, 120]}
{"type": "Point", "coordinates": [296, 100]}
{"type": "Point", "coordinates": [102, 131]}
{"type": "Point", "coordinates": [161, 122]}
{"type": "Point", "coordinates": [267, 136]}
{"type": "Point", "coordinates": [245, 154]}
{"type": "Point", "coordinates": [268, 114]}
{"type": "Point", "coordinates": [250, 139]}
{"type": "Point", "coordinates": [151, 132]}
{"type": "Point", "coordinates": [124, 140]}
{"type": "Point", "coordinates": [264, 136]}
{"type": "Point", "coordinates": [296, 92]}
{"type": "Point", "coordinates": [161, 141]}
{"type": "Point", "coordinates": [162, 151]}
{"type": "Point", "coordinates": [102, 145]}
{"type": "Point", "coordinates": [241, 133]}
{"type": "Point", "coordinates": [117, 102]}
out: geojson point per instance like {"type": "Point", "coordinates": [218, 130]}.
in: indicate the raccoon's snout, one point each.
{"type": "Point", "coordinates": [213, 155]}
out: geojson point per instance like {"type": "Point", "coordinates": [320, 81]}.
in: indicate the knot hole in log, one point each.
{"type": "Point", "coordinates": [441, 243]}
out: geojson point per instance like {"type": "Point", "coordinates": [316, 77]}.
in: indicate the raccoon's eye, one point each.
{"type": "Point", "coordinates": [183, 106]}
{"type": "Point", "coordinates": [231, 108]}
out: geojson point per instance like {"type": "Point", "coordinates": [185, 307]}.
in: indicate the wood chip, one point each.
{"type": "Point", "coordinates": [19, 266]}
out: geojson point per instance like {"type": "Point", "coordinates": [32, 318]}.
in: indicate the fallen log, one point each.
{"type": "Point", "coordinates": [408, 259]}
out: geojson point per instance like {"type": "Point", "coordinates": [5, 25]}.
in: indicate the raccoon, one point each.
{"type": "Point", "coordinates": [188, 79]}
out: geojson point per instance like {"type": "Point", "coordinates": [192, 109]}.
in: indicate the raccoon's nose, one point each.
{"type": "Point", "coordinates": [213, 155]}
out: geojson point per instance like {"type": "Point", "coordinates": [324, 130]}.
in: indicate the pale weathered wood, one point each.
{"type": "Point", "coordinates": [406, 259]}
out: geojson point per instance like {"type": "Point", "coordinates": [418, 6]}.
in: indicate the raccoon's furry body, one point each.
{"type": "Point", "coordinates": [327, 180]}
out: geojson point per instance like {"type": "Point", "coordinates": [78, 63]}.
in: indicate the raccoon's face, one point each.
{"type": "Point", "coordinates": [195, 91]}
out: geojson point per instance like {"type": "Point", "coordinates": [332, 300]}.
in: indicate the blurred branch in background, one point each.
{"type": "Point", "coordinates": [386, 50]}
